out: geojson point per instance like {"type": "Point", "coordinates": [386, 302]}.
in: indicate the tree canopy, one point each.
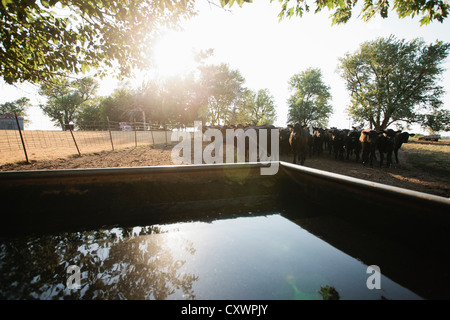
{"type": "Point", "coordinates": [213, 93]}
{"type": "Point", "coordinates": [257, 108]}
{"type": "Point", "coordinates": [309, 105]}
{"type": "Point", "coordinates": [65, 99]}
{"type": "Point", "coordinates": [42, 40]}
{"type": "Point", "coordinates": [392, 80]}
{"type": "Point", "coordinates": [438, 120]}
{"type": "Point", "coordinates": [222, 89]}
{"type": "Point", "coordinates": [342, 10]}
{"type": "Point", "coordinates": [17, 107]}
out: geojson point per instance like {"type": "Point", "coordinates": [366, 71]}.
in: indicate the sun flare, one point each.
{"type": "Point", "coordinates": [173, 55]}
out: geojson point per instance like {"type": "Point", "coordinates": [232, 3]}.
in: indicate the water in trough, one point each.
{"type": "Point", "coordinates": [250, 257]}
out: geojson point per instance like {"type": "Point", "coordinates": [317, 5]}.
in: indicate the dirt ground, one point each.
{"type": "Point", "coordinates": [402, 175]}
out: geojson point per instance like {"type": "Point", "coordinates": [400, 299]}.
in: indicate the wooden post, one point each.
{"type": "Point", "coordinates": [73, 137]}
{"type": "Point", "coordinates": [21, 138]}
{"type": "Point", "coordinates": [110, 135]}
{"type": "Point", "coordinates": [165, 132]}
{"type": "Point", "coordinates": [151, 131]}
{"type": "Point", "coordinates": [135, 134]}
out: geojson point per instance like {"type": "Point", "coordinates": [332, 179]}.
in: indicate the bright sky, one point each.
{"type": "Point", "coordinates": [268, 52]}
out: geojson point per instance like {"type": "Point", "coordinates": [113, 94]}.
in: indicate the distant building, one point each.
{"type": "Point", "coordinates": [8, 122]}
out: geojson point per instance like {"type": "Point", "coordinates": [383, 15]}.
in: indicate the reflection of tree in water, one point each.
{"type": "Point", "coordinates": [115, 264]}
{"type": "Point", "coordinates": [329, 293]}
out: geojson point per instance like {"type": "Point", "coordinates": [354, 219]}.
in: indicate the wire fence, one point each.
{"type": "Point", "coordinates": [27, 145]}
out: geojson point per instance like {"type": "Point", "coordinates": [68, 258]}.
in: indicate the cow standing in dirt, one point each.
{"type": "Point", "coordinates": [285, 134]}
{"type": "Point", "coordinates": [369, 140]}
{"type": "Point", "coordinates": [299, 143]}
{"type": "Point", "coordinates": [399, 139]}
{"type": "Point", "coordinates": [385, 145]}
{"type": "Point", "coordinates": [352, 144]}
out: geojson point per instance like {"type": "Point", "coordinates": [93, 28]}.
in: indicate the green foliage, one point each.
{"type": "Point", "coordinates": [119, 106]}
{"type": "Point", "coordinates": [222, 89]}
{"type": "Point", "coordinates": [105, 277]}
{"type": "Point", "coordinates": [393, 80]}
{"type": "Point", "coordinates": [329, 293]}
{"type": "Point", "coordinates": [309, 105]}
{"type": "Point", "coordinates": [342, 10]}
{"type": "Point", "coordinates": [65, 98]}
{"type": "Point", "coordinates": [91, 115]}
{"type": "Point", "coordinates": [213, 93]}
{"type": "Point", "coordinates": [171, 101]}
{"type": "Point", "coordinates": [256, 108]}
{"type": "Point", "coordinates": [231, 2]}
{"type": "Point", "coordinates": [41, 41]}
{"type": "Point", "coordinates": [438, 120]}
{"type": "Point", "coordinates": [15, 107]}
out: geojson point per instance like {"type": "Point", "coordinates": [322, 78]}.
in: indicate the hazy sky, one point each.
{"type": "Point", "coordinates": [268, 52]}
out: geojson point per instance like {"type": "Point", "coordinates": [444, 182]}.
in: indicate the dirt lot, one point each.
{"type": "Point", "coordinates": [403, 175]}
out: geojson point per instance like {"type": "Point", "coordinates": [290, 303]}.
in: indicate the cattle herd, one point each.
{"type": "Point", "coordinates": [353, 144]}
{"type": "Point", "coordinates": [342, 144]}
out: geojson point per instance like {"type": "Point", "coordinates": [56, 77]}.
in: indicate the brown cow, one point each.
{"type": "Point", "coordinates": [368, 141]}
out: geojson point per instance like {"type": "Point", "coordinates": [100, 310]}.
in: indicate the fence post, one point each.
{"type": "Point", "coordinates": [21, 138]}
{"type": "Point", "coordinates": [165, 132]}
{"type": "Point", "coordinates": [110, 135]}
{"type": "Point", "coordinates": [151, 131]}
{"type": "Point", "coordinates": [76, 145]}
{"type": "Point", "coordinates": [73, 137]}
{"type": "Point", "coordinates": [135, 134]}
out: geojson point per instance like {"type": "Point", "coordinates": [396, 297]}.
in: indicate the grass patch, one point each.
{"type": "Point", "coordinates": [432, 157]}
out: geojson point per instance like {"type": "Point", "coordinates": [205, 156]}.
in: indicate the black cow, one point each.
{"type": "Point", "coordinates": [326, 136]}
{"type": "Point", "coordinates": [352, 144]}
{"type": "Point", "coordinates": [299, 142]}
{"type": "Point", "coordinates": [331, 139]}
{"type": "Point", "coordinates": [368, 141]}
{"type": "Point", "coordinates": [399, 139]}
{"type": "Point", "coordinates": [285, 147]}
{"type": "Point", "coordinates": [253, 140]}
{"type": "Point", "coordinates": [337, 138]}
{"type": "Point", "coordinates": [268, 128]}
{"type": "Point", "coordinates": [385, 145]}
{"type": "Point", "coordinates": [317, 141]}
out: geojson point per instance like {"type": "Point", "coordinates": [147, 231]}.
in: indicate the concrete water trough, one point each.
{"type": "Point", "coordinates": [406, 234]}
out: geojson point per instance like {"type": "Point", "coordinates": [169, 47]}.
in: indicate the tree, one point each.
{"type": "Point", "coordinates": [65, 98]}
{"type": "Point", "coordinates": [428, 10]}
{"type": "Point", "coordinates": [16, 107]}
{"type": "Point", "coordinates": [393, 80]}
{"type": "Point", "coordinates": [309, 105]}
{"type": "Point", "coordinates": [168, 101]}
{"type": "Point", "coordinates": [91, 115]}
{"type": "Point", "coordinates": [117, 105]}
{"type": "Point", "coordinates": [257, 108]}
{"type": "Point", "coordinates": [222, 88]}
{"type": "Point", "coordinates": [104, 275]}
{"type": "Point", "coordinates": [43, 40]}
{"type": "Point", "coordinates": [437, 121]}
{"type": "Point", "coordinates": [177, 100]}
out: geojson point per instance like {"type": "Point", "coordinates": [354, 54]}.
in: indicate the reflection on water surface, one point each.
{"type": "Point", "coordinates": [255, 257]}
